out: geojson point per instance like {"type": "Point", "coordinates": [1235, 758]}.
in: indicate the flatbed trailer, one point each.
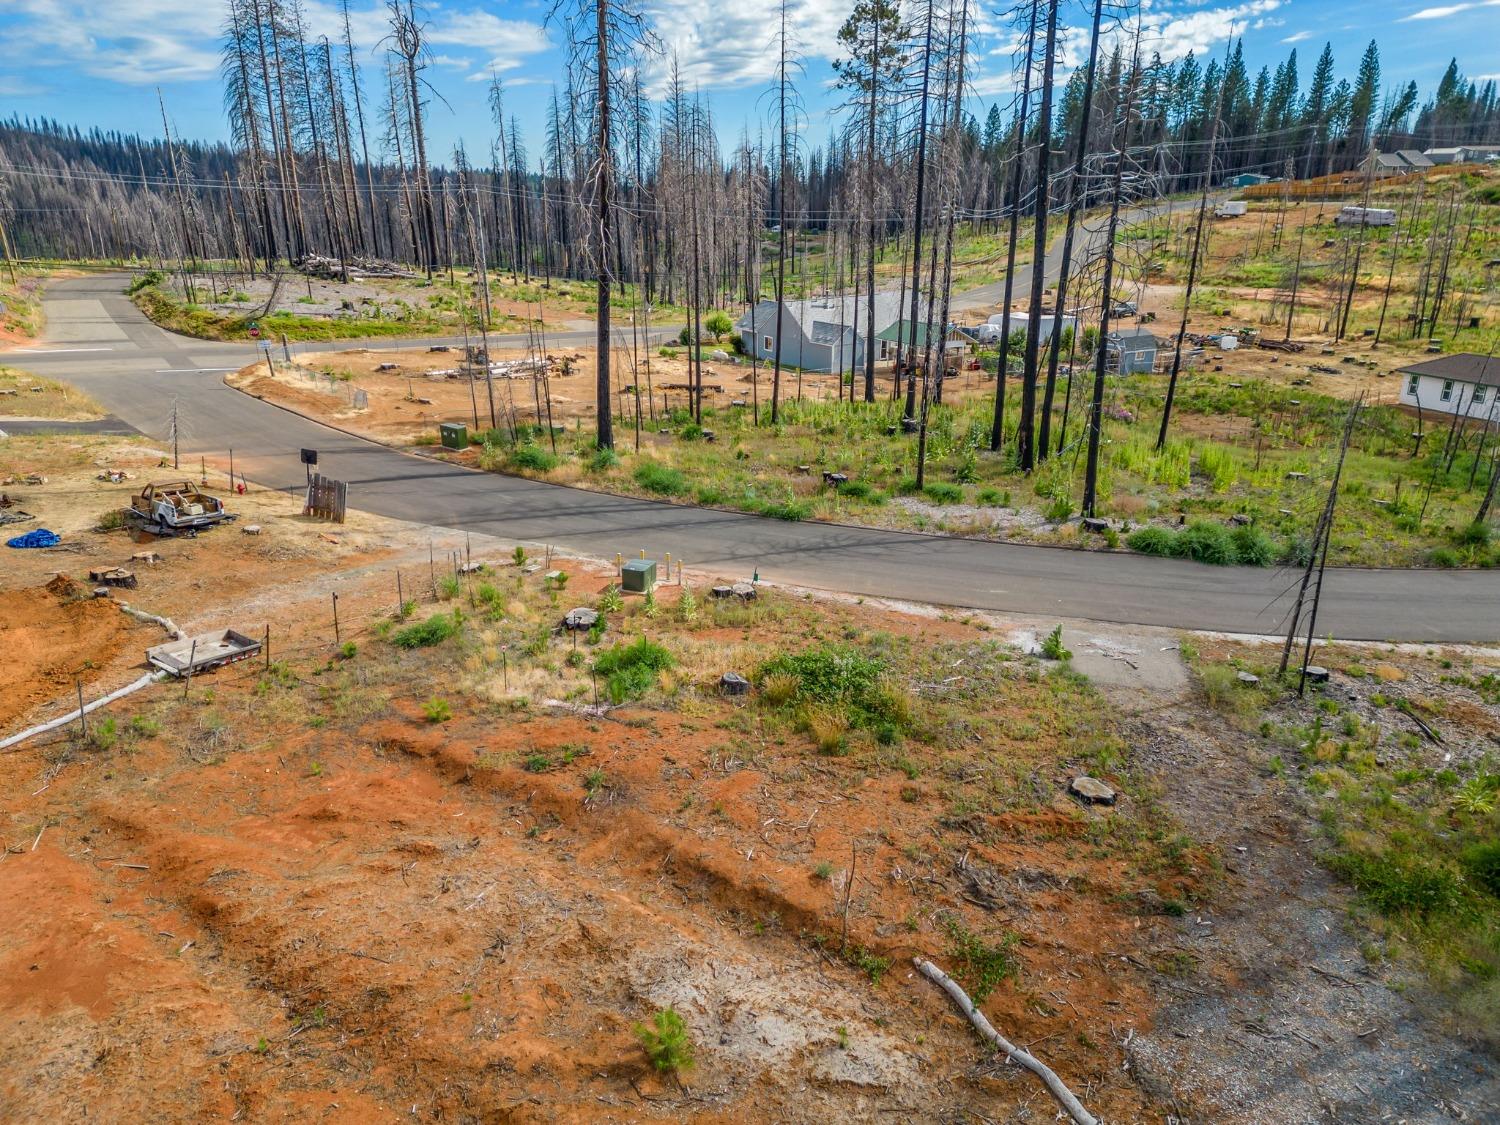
{"type": "Point", "coordinates": [191, 656]}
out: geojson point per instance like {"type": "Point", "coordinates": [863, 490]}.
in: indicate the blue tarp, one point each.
{"type": "Point", "coordinates": [41, 537]}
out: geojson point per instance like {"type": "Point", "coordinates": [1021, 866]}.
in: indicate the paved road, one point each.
{"type": "Point", "coordinates": [100, 342]}
{"type": "Point", "coordinates": [1088, 240]}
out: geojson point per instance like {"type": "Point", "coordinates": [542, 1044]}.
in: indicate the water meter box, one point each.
{"type": "Point", "coordinates": [638, 576]}
{"type": "Point", "coordinates": [455, 435]}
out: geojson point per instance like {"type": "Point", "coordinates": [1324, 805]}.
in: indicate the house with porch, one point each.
{"type": "Point", "coordinates": [822, 333]}
{"type": "Point", "coordinates": [1465, 384]}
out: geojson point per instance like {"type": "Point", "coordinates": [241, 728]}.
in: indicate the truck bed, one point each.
{"type": "Point", "coordinates": [192, 655]}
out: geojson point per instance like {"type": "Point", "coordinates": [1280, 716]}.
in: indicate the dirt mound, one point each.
{"type": "Point", "coordinates": [49, 636]}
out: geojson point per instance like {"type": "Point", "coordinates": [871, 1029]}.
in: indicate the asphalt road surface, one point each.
{"type": "Point", "coordinates": [98, 341]}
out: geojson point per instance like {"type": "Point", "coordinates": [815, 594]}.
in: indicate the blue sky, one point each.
{"type": "Point", "coordinates": [99, 62]}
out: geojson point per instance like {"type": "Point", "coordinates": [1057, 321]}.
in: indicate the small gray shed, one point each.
{"type": "Point", "coordinates": [1133, 350]}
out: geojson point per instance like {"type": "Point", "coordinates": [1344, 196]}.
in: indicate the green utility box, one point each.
{"type": "Point", "coordinates": [455, 435]}
{"type": "Point", "coordinates": [638, 576]}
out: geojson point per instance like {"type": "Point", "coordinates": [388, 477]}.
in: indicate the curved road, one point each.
{"type": "Point", "coordinates": [98, 340]}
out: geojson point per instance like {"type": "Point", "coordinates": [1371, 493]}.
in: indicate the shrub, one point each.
{"type": "Point", "coordinates": [941, 492]}
{"type": "Point", "coordinates": [1052, 646]}
{"type": "Point", "coordinates": [1474, 535]}
{"type": "Point", "coordinates": [1253, 547]}
{"type": "Point", "coordinates": [448, 587]}
{"type": "Point", "coordinates": [104, 734]}
{"type": "Point", "coordinates": [631, 670]}
{"type": "Point", "coordinates": [112, 520]}
{"type": "Point", "coordinates": [1151, 541]}
{"type": "Point", "coordinates": [861, 490]}
{"type": "Point", "coordinates": [719, 324]}
{"type": "Point", "coordinates": [348, 650]}
{"type": "Point", "coordinates": [843, 680]}
{"type": "Point", "coordinates": [989, 497]}
{"type": "Point", "coordinates": [1443, 557]}
{"type": "Point", "coordinates": [435, 630]}
{"type": "Point", "coordinates": [780, 688]}
{"type": "Point", "coordinates": [827, 726]}
{"type": "Point", "coordinates": [1059, 510]}
{"type": "Point", "coordinates": [1482, 862]}
{"type": "Point", "coordinates": [653, 476]}
{"type": "Point", "coordinates": [1395, 883]}
{"type": "Point", "coordinates": [979, 965]}
{"type": "Point", "coordinates": [610, 600]}
{"type": "Point", "coordinates": [666, 1042]}
{"type": "Point", "coordinates": [831, 674]}
{"type": "Point", "coordinates": [602, 460]}
{"type": "Point", "coordinates": [533, 458]}
{"type": "Point", "coordinates": [1206, 542]}
{"type": "Point", "coordinates": [1298, 551]}
{"type": "Point", "coordinates": [437, 710]}
{"type": "Point", "coordinates": [147, 280]}
{"type": "Point", "coordinates": [789, 510]}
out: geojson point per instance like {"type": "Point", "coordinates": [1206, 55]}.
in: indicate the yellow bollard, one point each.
{"type": "Point", "coordinates": [643, 552]}
{"type": "Point", "coordinates": [619, 560]}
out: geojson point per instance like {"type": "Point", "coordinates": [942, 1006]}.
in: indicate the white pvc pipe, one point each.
{"type": "Point", "coordinates": [74, 715]}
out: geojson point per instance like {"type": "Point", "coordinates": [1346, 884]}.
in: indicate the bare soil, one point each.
{"type": "Point", "coordinates": [417, 390]}
{"type": "Point", "coordinates": [284, 892]}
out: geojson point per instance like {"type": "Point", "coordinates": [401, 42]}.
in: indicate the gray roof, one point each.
{"type": "Point", "coordinates": [1414, 158]}
{"type": "Point", "coordinates": [1390, 160]}
{"type": "Point", "coordinates": [1135, 337]}
{"type": "Point", "coordinates": [824, 319]}
{"type": "Point", "coordinates": [1462, 367]}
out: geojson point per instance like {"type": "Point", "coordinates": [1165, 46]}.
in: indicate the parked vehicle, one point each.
{"type": "Point", "coordinates": [179, 506]}
{"type": "Point", "coordinates": [1232, 209]}
{"type": "Point", "coordinates": [1366, 217]}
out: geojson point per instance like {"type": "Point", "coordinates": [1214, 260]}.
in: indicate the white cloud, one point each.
{"type": "Point", "coordinates": [1447, 10]}
{"type": "Point", "coordinates": [154, 42]}
{"type": "Point", "coordinates": [1297, 37]}
{"type": "Point", "coordinates": [735, 45]}
{"type": "Point", "coordinates": [1169, 34]}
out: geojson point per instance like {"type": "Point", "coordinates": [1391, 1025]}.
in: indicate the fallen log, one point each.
{"type": "Point", "coordinates": [1055, 1085]}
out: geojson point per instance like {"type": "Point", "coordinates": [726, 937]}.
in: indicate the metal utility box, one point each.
{"type": "Point", "coordinates": [455, 435]}
{"type": "Point", "coordinates": [638, 576]}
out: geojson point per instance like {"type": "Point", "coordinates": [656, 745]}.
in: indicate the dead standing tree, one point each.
{"type": "Point", "coordinates": [603, 37]}
{"type": "Point", "coordinates": [874, 37]}
{"type": "Point", "coordinates": [1076, 195]}
{"type": "Point", "coordinates": [1101, 355]}
{"type": "Point", "coordinates": [1201, 222]}
{"type": "Point", "coordinates": [410, 49]}
{"type": "Point", "coordinates": [1317, 560]}
{"type": "Point", "coordinates": [997, 429]}
{"type": "Point", "coordinates": [1026, 428]}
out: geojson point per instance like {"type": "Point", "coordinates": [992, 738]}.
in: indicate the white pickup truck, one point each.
{"type": "Point", "coordinates": [178, 506]}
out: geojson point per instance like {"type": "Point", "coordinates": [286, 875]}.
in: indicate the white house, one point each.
{"type": "Point", "coordinates": [821, 333]}
{"type": "Point", "coordinates": [1465, 384]}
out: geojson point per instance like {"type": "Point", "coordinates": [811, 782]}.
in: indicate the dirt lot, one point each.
{"type": "Point", "coordinates": [28, 397]}
{"type": "Point", "coordinates": [369, 883]}
{"type": "Point", "coordinates": [409, 392]}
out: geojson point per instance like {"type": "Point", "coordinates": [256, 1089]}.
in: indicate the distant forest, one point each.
{"type": "Point", "coordinates": [330, 160]}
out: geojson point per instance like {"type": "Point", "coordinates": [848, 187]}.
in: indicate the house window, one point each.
{"type": "Point", "coordinates": [1411, 385]}
{"type": "Point", "coordinates": [767, 345]}
{"type": "Point", "coordinates": [1447, 395]}
{"type": "Point", "coordinates": [1480, 393]}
